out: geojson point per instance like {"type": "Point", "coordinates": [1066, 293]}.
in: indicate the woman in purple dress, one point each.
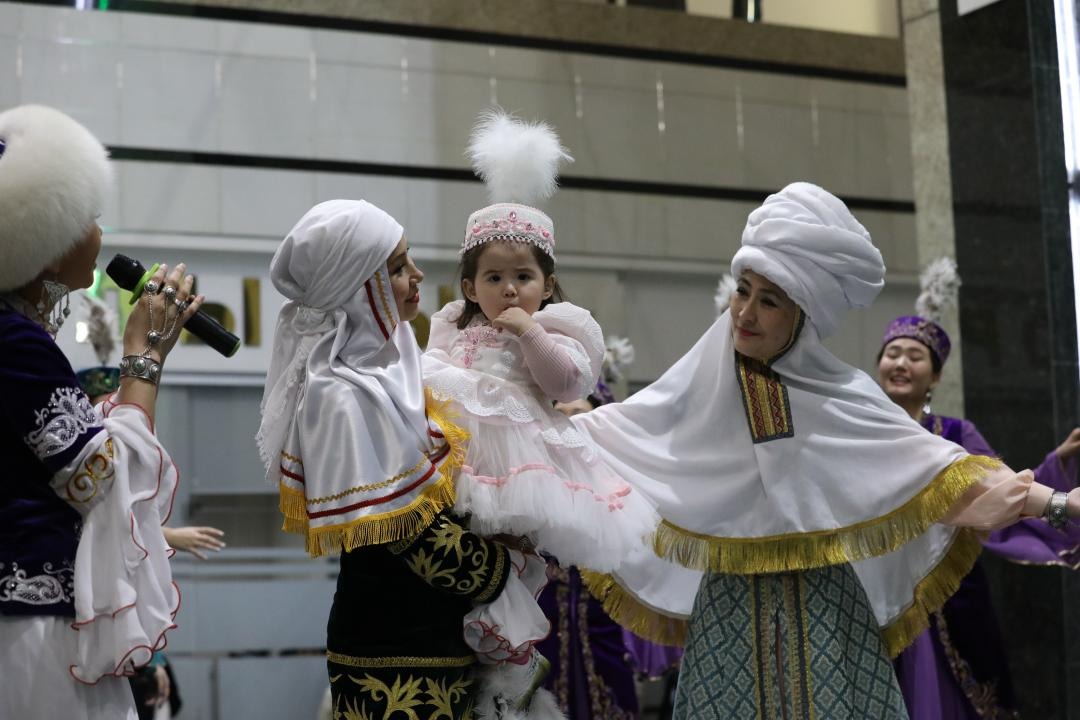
{"type": "Point", "coordinates": [86, 593]}
{"type": "Point", "coordinates": [957, 669]}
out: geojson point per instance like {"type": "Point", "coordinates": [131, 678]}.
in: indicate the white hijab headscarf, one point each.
{"type": "Point", "coordinates": [344, 432]}
{"type": "Point", "coordinates": [797, 462]}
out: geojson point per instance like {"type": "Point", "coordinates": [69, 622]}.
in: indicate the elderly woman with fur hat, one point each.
{"type": "Point", "coordinates": [86, 595]}
{"type": "Point", "coordinates": [810, 526]}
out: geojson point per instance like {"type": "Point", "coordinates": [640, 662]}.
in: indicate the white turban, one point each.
{"type": "Point", "coordinates": [805, 240]}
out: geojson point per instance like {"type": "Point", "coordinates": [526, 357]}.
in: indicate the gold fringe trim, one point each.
{"type": "Point", "coordinates": [803, 551]}
{"type": "Point", "coordinates": [932, 592]}
{"type": "Point", "coordinates": [391, 526]}
{"type": "Point", "coordinates": [293, 506]}
{"type": "Point", "coordinates": [637, 617]}
{"type": "Point", "coordinates": [383, 528]}
{"type": "Point", "coordinates": [439, 412]}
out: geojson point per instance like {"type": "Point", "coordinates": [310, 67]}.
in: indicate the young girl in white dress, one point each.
{"type": "Point", "coordinates": [504, 355]}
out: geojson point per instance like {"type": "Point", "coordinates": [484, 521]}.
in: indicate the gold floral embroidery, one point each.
{"type": "Point", "coordinates": [447, 557]}
{"type": "Point", "coordinates": [96, 470]}
{"type": "Point", "coordinates": [409, 697]}
{"type": "Point", "coordinates": [495, 580]}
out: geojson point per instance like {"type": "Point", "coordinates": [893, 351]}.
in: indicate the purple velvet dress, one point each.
{"type": "Point", "coordinates": [956, 670]}
{"type": "Point", "coordinates": [590, 676]}
{"type": "Point", "coordinates": [45, 420]}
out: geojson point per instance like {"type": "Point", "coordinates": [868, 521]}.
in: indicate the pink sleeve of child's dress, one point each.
{"type": "Point", "coordinates": [564, 351]}
{"type": "Point", "coordinates": [551, 365]}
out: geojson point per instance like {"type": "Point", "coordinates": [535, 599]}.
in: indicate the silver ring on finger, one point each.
{"type": "Point", "coordinates": [181, 304]}
{"type": "Point", "coordinates": [152, 287]}
{"type": "Point", "coordinates": [169, 291]}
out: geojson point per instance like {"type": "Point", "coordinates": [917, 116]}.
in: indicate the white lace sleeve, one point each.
{"type": "Point", "coordinates": [444, 326]}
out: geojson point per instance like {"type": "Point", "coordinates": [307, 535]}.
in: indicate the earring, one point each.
{"type": "Point", "coordinates": [55, 301]}
{"type": "Point", "coordinates": [926, 402]}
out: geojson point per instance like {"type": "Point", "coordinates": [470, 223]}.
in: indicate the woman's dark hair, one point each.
{"type": "Point", "coordinates": [470, 262]}
{"type": "Point", "coordinates": [935, 362]}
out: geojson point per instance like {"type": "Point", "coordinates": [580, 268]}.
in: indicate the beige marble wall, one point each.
{"type": "Point", "coordinates": [930, 170]}
{"type": "Point", "coordinates": [626, 27]}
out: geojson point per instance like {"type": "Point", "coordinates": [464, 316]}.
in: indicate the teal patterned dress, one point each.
{"type": "Point", "coordinates": [788, 646]}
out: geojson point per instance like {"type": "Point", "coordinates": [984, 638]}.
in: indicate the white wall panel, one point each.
{"type": "Point", "coordinates": [267, 106]}
{"type": "Point", "coordinates": [264, 202]}
{"type": "Point", "coordinates": [161, 197]}
{"type": "Point", "coordinates": [79, 78]}
{"type": "Point", "coordinates": [161, 32]}
{"type": "Point", "coordinates": [170, 100]}
{"type": "Point", "coordinates": [271, 90]}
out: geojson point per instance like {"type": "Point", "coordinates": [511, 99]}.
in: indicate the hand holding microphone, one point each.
{"type": "Point", "coordinates": [154, 325]}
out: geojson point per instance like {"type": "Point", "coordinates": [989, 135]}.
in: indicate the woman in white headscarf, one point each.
{"type": "Point", "coordinates": [810, 525]}
{"type": "Point", "coordinates": [365, 463]}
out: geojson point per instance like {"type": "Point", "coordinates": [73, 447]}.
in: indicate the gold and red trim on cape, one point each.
{"type": "Point", "coordinates": [430, 482]}
{"type": "Point", "coordinates": [386, 316]}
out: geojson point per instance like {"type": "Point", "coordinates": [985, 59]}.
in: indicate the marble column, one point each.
{"type": "Point", "coordinates": [930, 171]}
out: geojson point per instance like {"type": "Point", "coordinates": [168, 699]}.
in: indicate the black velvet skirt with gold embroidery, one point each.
{"type": "Point", "coordinates": [394, 641]}
{"type": "Point", "coordinates": [410, 688]}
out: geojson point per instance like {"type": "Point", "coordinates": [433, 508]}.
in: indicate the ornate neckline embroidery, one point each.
{"type": "Point", "coordinates": [478, 336]}
{"type": "Point", "coordinates": [765, 399]}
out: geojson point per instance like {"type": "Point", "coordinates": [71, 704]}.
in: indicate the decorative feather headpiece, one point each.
{"type": "Point", "coordinates": [724, 290]}
{"type": "Point", "coordinates": [618, 355]}
{"type": "Point", "coordinates": [519, 163]}
{"type": "Point", "coordinates": [101, 324]}
{"type": "Point", "coordinates": [101, 329]}
{"type": "Point", "coordinates": [940, 285]}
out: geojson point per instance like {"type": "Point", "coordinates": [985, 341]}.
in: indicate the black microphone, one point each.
{"type": "Point", "coordinates": [131, 275]}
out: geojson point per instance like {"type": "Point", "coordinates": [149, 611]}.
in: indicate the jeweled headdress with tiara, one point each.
{"type": "Point", "coordinates": [519, 163]}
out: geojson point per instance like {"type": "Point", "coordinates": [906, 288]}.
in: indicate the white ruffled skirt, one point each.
{"type": "Point", "coordinates": [542, 479]}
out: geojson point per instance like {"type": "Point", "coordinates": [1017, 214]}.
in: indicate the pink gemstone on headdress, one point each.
{"type": "Point", "coordinates": [546, 233]}
{"type": "Point", "coordinates": [475, 229]}
{"type": "Point", "coordinates": [513, 215]}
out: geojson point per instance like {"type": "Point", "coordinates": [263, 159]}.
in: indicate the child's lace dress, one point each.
{"type": "Point", "coordinates": [528, 471]}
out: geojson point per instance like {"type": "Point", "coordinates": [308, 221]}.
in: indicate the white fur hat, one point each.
{"type": "Point", "coordinates": [53, 178]}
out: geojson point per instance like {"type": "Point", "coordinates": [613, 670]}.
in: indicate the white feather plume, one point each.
{"type": "Point", "coordinates": [940, 286]}
{"type": "Point", "coordinates": [517, 160]}
{"type": "Point", "coordinates": [101, 324]}
{"type": "Point", "coordinates": [618, 355]}
{"type": "Point", "coordinates": [724, 290]}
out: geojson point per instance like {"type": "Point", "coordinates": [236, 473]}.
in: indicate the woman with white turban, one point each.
{"type": "Point", "coordinates": [810, 526]}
